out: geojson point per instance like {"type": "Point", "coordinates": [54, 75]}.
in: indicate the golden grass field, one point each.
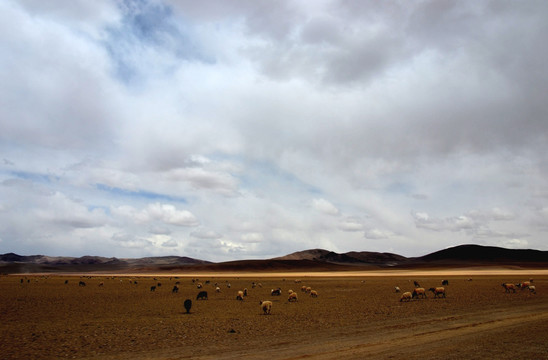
{"type": "Point", "coordinates": [355, 316]}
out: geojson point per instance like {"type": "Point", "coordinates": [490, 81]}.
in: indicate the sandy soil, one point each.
{"type": "Point", "coordinates": [354, 317]}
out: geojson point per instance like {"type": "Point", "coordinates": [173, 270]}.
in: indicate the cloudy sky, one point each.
{"type": "Point", "coordinates": [226, 130]}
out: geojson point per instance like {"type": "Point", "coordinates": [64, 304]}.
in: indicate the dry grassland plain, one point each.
{"type": "Point", "coordinates": [355, 316]}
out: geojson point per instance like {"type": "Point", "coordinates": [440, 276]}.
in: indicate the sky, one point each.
{"type": "Point", "coordinates": [227, 130]}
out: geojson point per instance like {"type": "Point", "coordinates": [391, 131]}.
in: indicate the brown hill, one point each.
{"type": "Point", "coordinates": [307, 260]}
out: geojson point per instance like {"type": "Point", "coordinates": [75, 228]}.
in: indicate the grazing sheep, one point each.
{"type": "Point", "coordinates": [240, 295]}
{"type": "Point", "coordinates": [303, 288]}
{"type": "Point", "coordinates": [266, 306]}
{"type": "Point", "coordinates": [509, 287]}
{"type": "Point", "coordinates": [532, 289]}
{"type": "Point", "coordinates": [260, 285]}
{"type": "Point", "coordinates": [202, 295]}
{"type": "Point", "coordinates": [153, 288]}
{"type": "Point", "coordinates": [524, 285]}
{"type": "Point", "coordinates": [199, 286]}
{"type": "Point", "coordinates": [308, 289]}
{"type": "Point", "coordinates": [445, 282]}
{"type": "Point", "coordinates": [313, 293]}
{"type": "Point", "coordinates": [276, 292]}
{"type": "Point", "coordinates": [218, 289]}
{"type": "Point", "coordinates": [228, 285]}
{"type": "Point", "coordinates": [81, 283]}
{"type": "Point", "coordinates": [187, 304]}
{"type": "Point", "coordinates": [159, 284]}
{"type": "Point", "coordinates": [419, 292]}
{"type": "Point", "coordinates": [417, 285]}
{"type": "Point", "coordinates": [397, 289]}
{"type": "Point", "coordinates": [405, 296]}
{"type": "Point", "coordinates": [101, 284]}
{"type": "Point", "coordinates": [175, 289]}
{"type": "Point", "coordinates": [292, 297]}
{"type": "Point", "coordinates": [438, 291]}
{"type": "Point", "coordinates": [297, 281]}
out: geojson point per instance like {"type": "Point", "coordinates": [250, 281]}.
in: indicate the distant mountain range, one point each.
{"type": "Point", "coordinates": [308, 260]}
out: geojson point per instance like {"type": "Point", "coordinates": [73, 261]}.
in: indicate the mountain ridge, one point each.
{"type": "Point", "coordinates": [309, 260]}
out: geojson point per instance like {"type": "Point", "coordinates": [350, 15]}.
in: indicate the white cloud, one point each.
{"type": "Point", "coordinates": [377, 234]}
{"type": "Point", "coordinates": [324, 207]}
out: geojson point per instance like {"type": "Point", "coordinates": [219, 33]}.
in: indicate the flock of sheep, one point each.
{"type": "Point", "coordinates": [439, 291]}
{"type": "Point", "coordinates": [265, 305]}
{"type": "Point", "coordinates": [509, 287]}
{"type": "Point", "coordinates": [420, 292]}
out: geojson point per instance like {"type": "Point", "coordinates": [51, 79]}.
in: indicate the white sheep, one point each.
{"type": "Point", "coordinates": [266, 306]}
{"type": "Point", "coordinates": [438, 291]}
{"type": "Point", "coordinates": [419, 292]}
{"type": "Point", "coordinates": [218, 289]}
{"type": "Point", "coordinates": [397, 289]}
{"type": "Point", "coordinates": [292, 297]}
{"type": "Point", "coordinates": [240, 295]}
{"type": "Point", "coordinates": [405, 296]}
{"type": "Point", "coordinates": [532, 289]}
{"type": "Point", "coordinates": [303, 288]}
{"type": "Point", "coordinates": [313, 293]}
{"type": "Point", "coordinates": [289, 291]}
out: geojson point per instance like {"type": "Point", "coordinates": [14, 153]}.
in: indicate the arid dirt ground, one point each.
{"type": "Point", "coordinates": [354, 317]}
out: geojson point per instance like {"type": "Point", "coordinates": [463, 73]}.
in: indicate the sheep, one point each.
{"type": "Point", "coordinates": [292, 297]}
{"type": "Point", "coordinates": [187, 304]}
{"type": "Point", "coordinates": [397, 289]}
{"type": "Point", "coordinates": [507, 287]}
{"type": "Point", "coordinates": [218, 289]}
{"type": "Point", "coordinates": [266, 306]}
{"type": "Point", "coordinates": [524, 285]}
{"type": "Point", "coordinates": [297, 281]}
{"type": "Point", "coordinates": [153, 288]}
{"type": "Point", "coordinates": [419, 292]}
{"type": "Point", "coordinates": [81, 283]}
{"type": "Point", "coordinates": [245, 291]}
{"type": "Point", "coordinates": [445, 282]}
{"type": "Point", "coordinates": [405, 296]}
{"type": "Point", "coordinates": [532, 289]}
{"type": "Point", "coordinates": [308, 289]}
{"type": "Point", "coordinates": [199, 286]}
{"type": "Point", "coordinates": [202, 295]}
{"type": "Point", "coordinates": [240, 295]}
{"type": "Point", "coordinates": [276, 292]}
{"type": "Point", "coordinates": [417, 285]}
{"type": "Point", "coordinates": [175, 289]}
{"type": "Point", "coordinates": [303, 288]}
{"type": "Point", "coordinates": [438, 291]}
{"type": "Point", "coordinates": [313, 293]}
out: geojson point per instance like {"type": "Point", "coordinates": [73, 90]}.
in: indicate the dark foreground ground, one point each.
{"type": "Point", "coordinates": [352, 318]}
